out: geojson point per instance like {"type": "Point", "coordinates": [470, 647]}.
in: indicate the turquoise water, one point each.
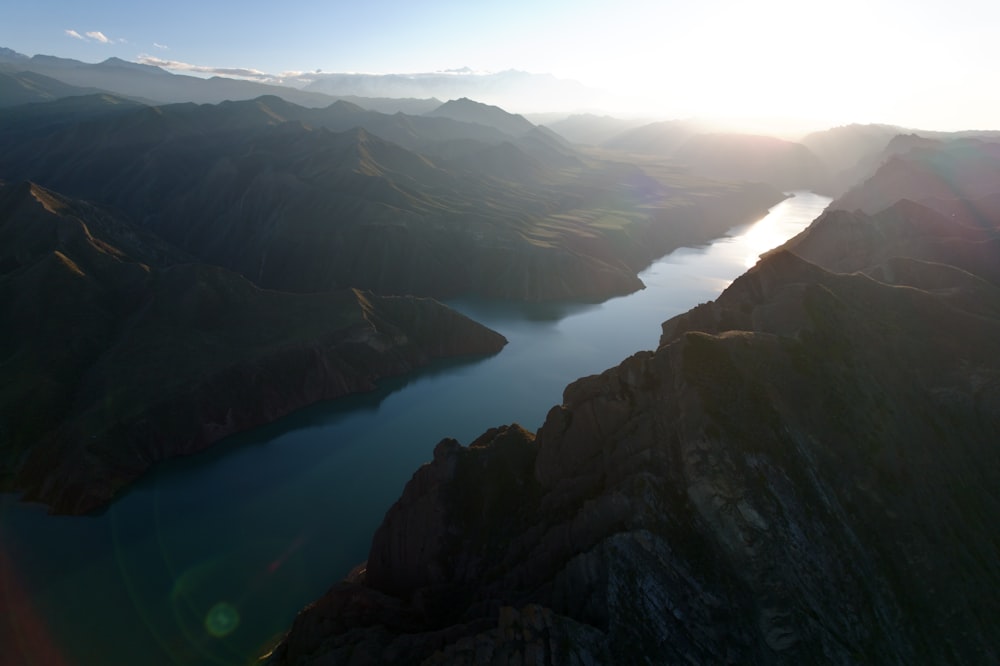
{"type": "Point", "coordinates": [208, 559]}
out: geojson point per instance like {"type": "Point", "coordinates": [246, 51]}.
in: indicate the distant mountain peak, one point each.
{"type": "Point", "coordinates": [118, 63]}
{"type": "Point", "coordinates": [471, 111]}
{"type": "Point", "coordinates": [11, 54]}
{"type": "Point", "coordinates": [344, 106]}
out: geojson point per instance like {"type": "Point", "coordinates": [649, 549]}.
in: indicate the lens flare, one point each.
{"type": "Point", "coordinates": [222, 619]}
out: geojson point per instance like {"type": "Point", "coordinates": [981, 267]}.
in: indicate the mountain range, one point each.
{"type": "Point", "coordinates": [410, 93]}
{"type": "Point", "coordinates": [294, 198]}
{"type": "Point", "coordinates": [804, 471]}
{"type": "Point", "coordinates": [200, 269]}
{"type": "Point", "coordinates": [829, 161]}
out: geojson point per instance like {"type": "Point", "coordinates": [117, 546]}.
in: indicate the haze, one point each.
{"type": "Point", "coordinates": [917, 64]}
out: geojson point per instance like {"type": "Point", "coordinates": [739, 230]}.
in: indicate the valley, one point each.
{"type": "Point", "coordinates": [664, 390]}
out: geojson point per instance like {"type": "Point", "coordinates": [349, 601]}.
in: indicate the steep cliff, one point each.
{"type": "Point", "coordinates": [118, 353]}
{"type": "Point", "coordinates": [804, 471]}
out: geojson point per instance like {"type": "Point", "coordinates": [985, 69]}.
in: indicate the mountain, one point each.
{"type": "Point", "coordinates": [925, 169]}
{"type": "Point", "coordinates": [119, 351]}
{"type": "Point", "coordinates": [591, 129]}
{"type": "Point", "coordinates": [28, 122]}
{"type": "Point", "coordinates": [848, 242]}
{"type": "Point", "coordinates": [26, 87]}
{"type": "Point", "coordinates": [44, 78]}
{"type": "Point", "coordinates": [785, 165]}
{"type": "Point", "coordinates": [804, 471]}
{"type": "Point", "coordinates": [854, 152]}
{"type": "Point", "coordinates": [842, 148]}
{"type": "Point", "coordinates": [388, 93]}
{"type": "Point", "coordinates": [263, 188]}
{"type": "Point", "coordinates": [407, 105]}
{"type": "Point", "coordinates": [659, 138]}
{"type": "Point", "coordinates": [10, 55]}
{"type": "Point", "coordinates": [469, 111]}
{"type": "Point", "coordinates": [152, 84]}
{"type": "Point", "coordinates": [508, 89]}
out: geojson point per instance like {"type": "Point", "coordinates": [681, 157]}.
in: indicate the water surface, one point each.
{"type": "Point", "coordinates": [207, 560]}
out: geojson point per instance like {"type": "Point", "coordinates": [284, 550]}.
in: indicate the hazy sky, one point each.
{"type": "Point", "coordinates": [925, 64]}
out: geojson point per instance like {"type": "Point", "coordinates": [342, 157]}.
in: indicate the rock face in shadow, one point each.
{"type": "Point", "coordinates": [805, 471]}
{"type": "Point", "coordinates": [118, 352]}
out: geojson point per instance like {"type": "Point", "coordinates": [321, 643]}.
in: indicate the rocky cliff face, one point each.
{"type": "Point", "coordinates": [117, 354]}
{"type": "Point", "coordinates": [805, 471]}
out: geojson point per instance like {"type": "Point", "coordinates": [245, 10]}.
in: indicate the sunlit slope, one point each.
{"type": "Point", "coordinates": [272, 191]}
{"type": "Point", "coordinates": [119, 352]}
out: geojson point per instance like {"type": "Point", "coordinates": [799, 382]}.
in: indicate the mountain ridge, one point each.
{"type": "Point", "coordinates": [263, 188]}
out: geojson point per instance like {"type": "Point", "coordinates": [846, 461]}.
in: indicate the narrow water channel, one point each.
{"type": "Point", "coordinates": [208, 559]}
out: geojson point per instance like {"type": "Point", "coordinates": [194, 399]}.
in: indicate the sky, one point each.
{"type": "Point", "coordinates": [930, 65]}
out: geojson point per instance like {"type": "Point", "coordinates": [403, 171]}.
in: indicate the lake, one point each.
{"type": "Point", "coordinates": [207, 560]}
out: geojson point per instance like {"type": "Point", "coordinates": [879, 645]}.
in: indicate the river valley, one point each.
{"type": "Point", "coordinates": [207, 560]}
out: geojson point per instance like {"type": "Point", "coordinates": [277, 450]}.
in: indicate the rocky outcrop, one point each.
{"type": "Point", "coordinates": [804, 471]}
{"type": "Point", "coordinates": [119, 354]}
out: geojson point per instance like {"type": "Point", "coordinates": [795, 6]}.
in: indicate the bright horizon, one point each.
{"type": "Point", "coordinates": [913, 64]}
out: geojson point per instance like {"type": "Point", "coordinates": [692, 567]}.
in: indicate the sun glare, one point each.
{"type": "Point", "coordinates": [736, 60]}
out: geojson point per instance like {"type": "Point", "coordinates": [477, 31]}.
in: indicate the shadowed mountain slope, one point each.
{"type": "Point", "coordinates": [854, 152]}
{"type": "Point", "coordinates": [590, 129]}
{"type": "Point", "coordinates": [659, 138]}
{"type": "Point", "coordinates": [804, 471]}
{"type": "Point", "coordinates": [851, 242]}
{"type": "Point", "coordinates": [264, 188]}
{"type": "Point", "coordinates": [27, 87]}
{"type": "Point", "coordinates": [469, 111]}
{"type": "Point", "coordinates": [785, 165]}
{"type": "Point", "coordinates": [118, 352]}
{"type": "Point", "coordinates": [154, 84]}
{"type": "Point", "coordinates": [841, 148]}
{"type": "Point", "coordinates": [924, 169]}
